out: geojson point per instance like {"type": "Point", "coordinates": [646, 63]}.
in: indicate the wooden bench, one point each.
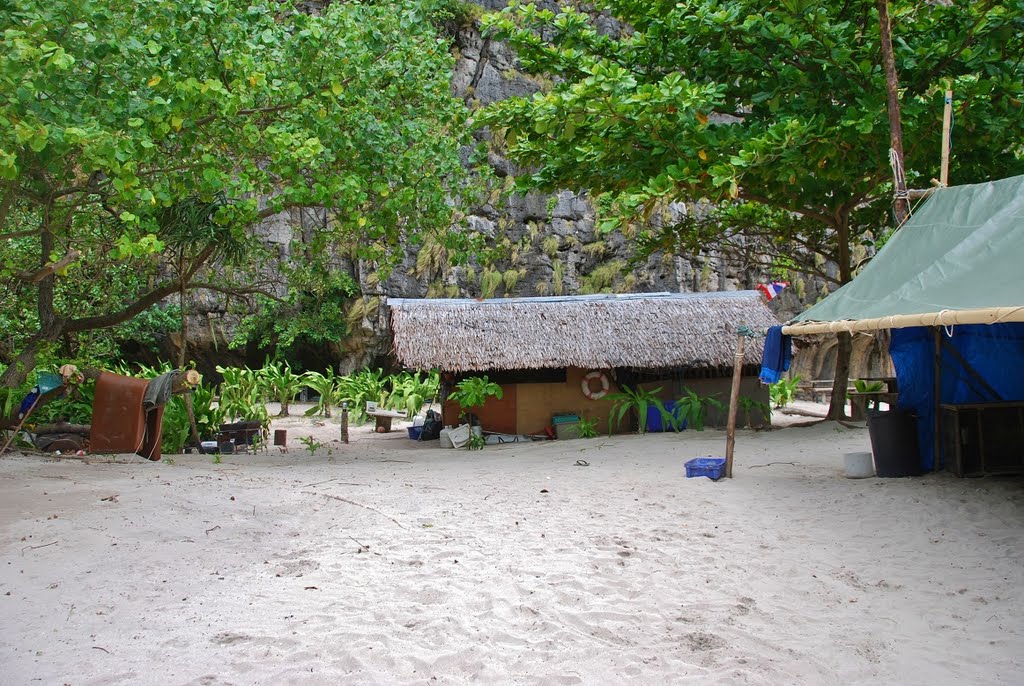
{"type": "Point", "coordinates": [820, 390]}
{"type": "Point", "coordinates": [382, 417]}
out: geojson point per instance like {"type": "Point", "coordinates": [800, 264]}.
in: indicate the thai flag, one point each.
{"type": "Point", "coordinates": [772, 290]}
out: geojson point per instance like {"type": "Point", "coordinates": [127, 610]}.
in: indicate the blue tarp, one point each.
{"type": "Point", "coordinates": [994, 351]}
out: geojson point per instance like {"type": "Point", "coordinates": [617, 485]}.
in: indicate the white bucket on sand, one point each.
{"type": "Point", "coordinates": [858, 465]}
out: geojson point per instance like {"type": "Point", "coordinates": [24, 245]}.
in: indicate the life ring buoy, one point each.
{"type": "Point", "coordinates": [588, 389]}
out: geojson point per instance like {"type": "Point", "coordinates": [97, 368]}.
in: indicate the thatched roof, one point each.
{"type": "Point", "coordinates": [639, 331]}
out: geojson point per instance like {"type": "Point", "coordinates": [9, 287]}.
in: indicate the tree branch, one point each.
{"type": "Point", "coordinates": [50, 268]}
{"type": "Point", "coordinates": [155, 295]}
{"type": "Point", "coordinates": [231, 290]}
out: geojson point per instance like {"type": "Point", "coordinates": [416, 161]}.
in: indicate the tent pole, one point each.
{"type": "Point", "coordinates": [947, 124]}
{"type": "Point", "coordinates": [734, 395]}
{"type": "Point", "coordinates": [938, 397]}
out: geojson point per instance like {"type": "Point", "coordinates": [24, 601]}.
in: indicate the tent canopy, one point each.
{"type": "Point", "coordinates": [958, 260]}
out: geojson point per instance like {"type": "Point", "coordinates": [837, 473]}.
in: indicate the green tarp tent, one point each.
{"type": "Point", "coordinates": [958, 263]}
{"type": "Point", "coordinates": [958, 260]}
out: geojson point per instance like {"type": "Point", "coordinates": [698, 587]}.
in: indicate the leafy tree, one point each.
{"type": "Point", "coordinates": [773, 113]}
{"type": "Point", "coordinates": [141, 141]}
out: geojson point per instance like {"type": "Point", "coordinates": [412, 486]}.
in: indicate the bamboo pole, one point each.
{"type": "Point", "coordinates": [947, 125]}
{"type": "Point", "coordinates": [936, 425]}
{"type": "Point", "coordinates": [734, 396]}
{"type": "Point", "coordinates": [16, 429]}
{"type": "Point", "coordinates": [984, 315]}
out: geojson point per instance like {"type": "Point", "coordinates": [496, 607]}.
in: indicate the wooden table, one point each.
{"type": "Point", "coordinates": [383, 419]}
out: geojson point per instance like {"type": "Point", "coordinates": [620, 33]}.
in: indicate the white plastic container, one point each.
{"type": "Point", "coordinates": [446, 439]}
{"type": "Point", "coordinates": [858, 465]}
{"type": "Point", "coordinates": [459, 436]}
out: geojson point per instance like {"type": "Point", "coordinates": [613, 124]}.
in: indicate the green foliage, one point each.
{"type": "Point", "coordinates": [312, 445]}
{"type": "Point", "coordinates": [775, 113]}
{"type": "Point", "coordinates": [749, 405]}
{"type": "Point", "coordinates": [864, 386]}
{"type": "Point", "coordinates": [176, 428]}
{"type": "Point", "coordinates": [359, 388]}
{"type": "Point", "coordinates": [588, 427]}
{"type": "Point", "coordinates": [602, 277]}
{"type": "Point", "coordinates": [550, 245]}
{"type": "Point", "coordinates": [144, 140]}
{"type": "Point", "coordinates": [692, 408]}
{"type": "Point", "coordinates": [473, 391]}
{"type": "Point", "coordinates": [150, 325]}
{"type": "Point", "coordinates": [490, 279]}
{"type": "Point", "coordinates": [241, 396]}
{"type": "Point", "coordinates": [783, 391]}
{"type": "Point", "coordinates": [326, 387]}
{"type": "Point", "coordinates": [557, 277]}
{"type": "Point", "coordinates": [409, 392]}
{"type": "Point", "coordinates": [459, 12]}
{"type": "Point", "coordinates": [635, 400]}
{"type": "Point", "coordinates": [476, 441]}
{"type": "Point", "coordinates": [312, 312]}
{"type": "Point", "coordinates": [276, 381]}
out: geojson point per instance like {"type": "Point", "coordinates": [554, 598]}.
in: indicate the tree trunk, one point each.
{"type": "Point", "coordinates": [837, 407]}
{"type": "Point", "coordinates": [182, 356]}
{"type": "Point", "coordinates": [901, 204]}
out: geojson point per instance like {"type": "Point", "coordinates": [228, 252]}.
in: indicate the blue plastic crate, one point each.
{"type": "Point", "coordinates": [711, 467]}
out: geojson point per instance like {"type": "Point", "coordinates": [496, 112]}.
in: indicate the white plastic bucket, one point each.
{"type": "Point", "coordinates": [858, 465]}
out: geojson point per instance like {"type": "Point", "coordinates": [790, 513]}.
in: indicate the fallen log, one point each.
{"type": "Point", "coordinates": [62, 428]}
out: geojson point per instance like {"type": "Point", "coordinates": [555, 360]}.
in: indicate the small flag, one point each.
{"type": "Point", "coordinates": [772, 290]}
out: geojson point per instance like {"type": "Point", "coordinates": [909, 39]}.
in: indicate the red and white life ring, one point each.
{"type": "Point", "coordinates": [588, 389]}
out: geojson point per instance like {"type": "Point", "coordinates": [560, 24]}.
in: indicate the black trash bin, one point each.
{"type": "Point", "coordinates": [894, 443]}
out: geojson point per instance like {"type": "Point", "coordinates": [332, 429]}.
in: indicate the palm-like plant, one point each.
{"type": "Point", "coordinates": [326, 386]}
{"type": "Point", "coordinates": [638, 399]}
{"type": "Point", "coordinates": [409, 391]}
{"type": "Point", "coordinates": [692, 408]}
{"type": "Point", "coordinates": [241, 396]}
{"type": "Point", "coordinates": [280, 383]}
{"type": "Point", "coordinates": [359, 388]}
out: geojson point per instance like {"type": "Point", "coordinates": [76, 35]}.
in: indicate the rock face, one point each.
{"type": "Point", "coordinates": [547, 244]}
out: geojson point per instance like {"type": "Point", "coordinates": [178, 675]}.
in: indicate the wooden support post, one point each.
{"type": "Point", "coordinates": [947, 125]}
{"type": "Point", "coordinates": [344, 422]}
{"type": "Point", "coordinates": [734, 397]}
{"type": "Point", "coordinates": [936, 425]}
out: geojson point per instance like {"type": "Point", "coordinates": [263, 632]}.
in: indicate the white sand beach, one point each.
{"type": "Point", "coordinates": [386, 561]}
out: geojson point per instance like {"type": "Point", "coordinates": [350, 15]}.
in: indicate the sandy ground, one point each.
{"type": "Point", "coordinates": [386, 561]}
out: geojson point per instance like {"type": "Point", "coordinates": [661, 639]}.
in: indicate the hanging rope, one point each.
{"type": "Point", "coordinates": [900, 191]}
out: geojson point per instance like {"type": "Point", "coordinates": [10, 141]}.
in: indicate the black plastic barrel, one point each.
{"type": "Point", "coordinates": [894, 443]}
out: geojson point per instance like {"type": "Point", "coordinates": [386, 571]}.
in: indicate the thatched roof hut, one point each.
{"type": "Point", "coordinates": [635, 331]}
